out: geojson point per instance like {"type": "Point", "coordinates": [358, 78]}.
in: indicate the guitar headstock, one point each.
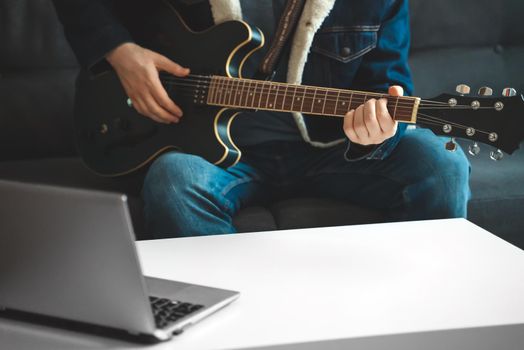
{"type": "Point", "coordinates": [495, 121]}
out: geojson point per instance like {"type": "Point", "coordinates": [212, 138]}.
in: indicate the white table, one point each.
{"type": "Point", "coordinates": [361, 286]}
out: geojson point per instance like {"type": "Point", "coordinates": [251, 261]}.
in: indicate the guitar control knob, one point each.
{"type": "Point", "coordinates": [509, 92]}
{"type": "Point", "coordinates": [463, 89]}
{"type": "Point", "coordinates": [451, 145]}
{"type": "Point", "coordinates": [474, 149]}
{"type": "Point", "coordinates": [485, 91]}
{"type": "Point", "coordinates": [496, 155]}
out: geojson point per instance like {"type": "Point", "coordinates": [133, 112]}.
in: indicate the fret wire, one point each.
{"type": "Point", "coordinates": [303, 99]}
{"type": "Point", "coordinates": [293, 99]}
{"type": "Point", "coordinates": [217, 89]}
{"type": "Point", "coordinates": [210, 93]}
{"type": "Point", "coordinates": [215, 98]}
{"type": "Point", "coordinates": [251, 93]}
{"type": "Point", "coordinates": [314, 98]}
{"type": "Point", "coordinates": [232, 93]}
{"type": "Point", "coordinates": [284, 97]}
{"type": "Point", "coordinates": [395, 109]}
{"type": "Point", "coordinates": [223, 92]}
{"type": "Point", "coordinates": [235, 92]}
{"type": "Point", "coordinates": [268, 92]}
{"type": "Point", "coordinates": [260, 99]}
{"type": "Point", "coordinates": [254, 92]}
{"type": "Point", "coordinates": [242, 90]}
{"type": "Point", "coordinates": [338, 100]}
{"type": "Point", "coordinates": [276, 95]}
{"type": "Point", "coordinates": [226, 92]}
{"type": "Point", "coordinates": [325, 100]}
{"type": "Point", "coordinates": [238, 98]}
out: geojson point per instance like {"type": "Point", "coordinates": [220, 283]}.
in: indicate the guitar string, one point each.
{"type": "Point", "coordinates": [265, 88]}
{"type": "Point", "coordinates": [460, 126]}
{"type": "Point", "coordinates": [421, 116]}
{"type": "Point", "coordinates": [226, 79]}
{"type": "Point", "coordinates": [400, 107]}
{"type": "Point", "coordinates": [304, 94]}
{"type": "Point", "coordinates": [275, 94]}
{"type": "Point", "coordinates": [402, 112]}
{"type": "Point", "coordinates": [190, 91]}
{"type": "Point", "coordinates": [426, 118]}
{"type": "Point", "coordinates": [360, 100]}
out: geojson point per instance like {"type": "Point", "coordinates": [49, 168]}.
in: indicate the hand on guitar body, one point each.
{"type": "Point", "coordinates": [371, 123]}
{"type": "Point", "coordinates": [138, 69]}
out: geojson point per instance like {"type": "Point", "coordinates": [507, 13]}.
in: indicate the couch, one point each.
{"type": "Point", "coordinates": [477, 42]}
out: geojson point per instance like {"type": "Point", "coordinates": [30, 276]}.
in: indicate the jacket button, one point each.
{"type": "Point", "coordinates": [345, 52]}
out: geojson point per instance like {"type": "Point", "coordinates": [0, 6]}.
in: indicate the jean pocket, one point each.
{"type": "Point", "coordinates": [345, 44]}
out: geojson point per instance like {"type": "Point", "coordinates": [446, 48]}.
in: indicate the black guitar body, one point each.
{"type": "Point", "coordinates": [113, 139]}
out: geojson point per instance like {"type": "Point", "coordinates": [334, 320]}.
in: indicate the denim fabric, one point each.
{"type": "Point", "coordinates": [362, 45]}
{"type": "Point", "coordinates": [185, 195]}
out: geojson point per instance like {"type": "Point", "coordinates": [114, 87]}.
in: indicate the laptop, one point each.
{"type": "Point", "coordinates": [69, 254]}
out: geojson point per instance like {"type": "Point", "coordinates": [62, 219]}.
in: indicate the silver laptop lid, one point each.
{"type": "Point", "coordinates": [70, 253]}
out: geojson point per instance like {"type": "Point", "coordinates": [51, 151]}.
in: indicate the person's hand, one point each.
{"type": "Point", "coordinates": [371, 123]}
{"type": "Point", "coordinates": [138, 69]}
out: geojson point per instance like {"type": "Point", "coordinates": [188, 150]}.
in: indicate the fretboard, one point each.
{"type": "Point", "coordinates": [283, 97]}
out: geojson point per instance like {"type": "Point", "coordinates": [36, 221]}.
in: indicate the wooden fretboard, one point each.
{"type": "Point", "coordinates": [283, 97]}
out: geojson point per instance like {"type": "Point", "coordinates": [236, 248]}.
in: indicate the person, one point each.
{"type": "Point", "coordinates": [369, 159]}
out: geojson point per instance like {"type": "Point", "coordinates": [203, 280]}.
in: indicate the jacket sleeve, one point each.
{"type": "Point", "coordinates": [382, 67]}
{"type": "Point", "coordinates": [91, 29]}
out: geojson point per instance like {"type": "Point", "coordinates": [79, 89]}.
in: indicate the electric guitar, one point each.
{"type": "Point", "coordinates": [113, 139]}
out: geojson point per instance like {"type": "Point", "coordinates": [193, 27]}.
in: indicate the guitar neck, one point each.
{"type": "Point", "coordinates": [284, 97]}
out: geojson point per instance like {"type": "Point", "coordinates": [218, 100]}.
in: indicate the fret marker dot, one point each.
{"type": "Point", "coordinates": [250, 94]}
{"type": "Point", "coordinates": [343, 103]}
{"type": "Point", "coordinates": [298, 98]}
{"type": "Point", "coordinates": [270, 105]}
{"type": "Point", "coordinates": [318, 101]}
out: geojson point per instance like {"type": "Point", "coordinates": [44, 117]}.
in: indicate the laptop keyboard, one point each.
{"type": "Point", "coordinates": [167, 311]}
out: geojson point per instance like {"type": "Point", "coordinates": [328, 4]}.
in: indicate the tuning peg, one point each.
{"type": "Point", "coordinates": [474, 149]}
{"type": "Point", "coordinates": [451, 145]}
{"type": "Point", "coordinates": [496, 155]}
{"type": "Point", "coordinates": [463, 89]}
{"type": "Point", "coordinates": [509, 92]}
{"type": "Point", "coordinates": [485, 91]}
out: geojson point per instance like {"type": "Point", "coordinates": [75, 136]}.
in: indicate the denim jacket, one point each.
{"type": "Point", "coordinates": [361, 45]}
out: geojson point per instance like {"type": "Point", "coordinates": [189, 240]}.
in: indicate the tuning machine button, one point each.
{"type": "Point", "coordinates": [451, 145]}
{"type": "Point", "coordinates": [104, 128]}
{"type": "Point", "coordinates": [509, 92]}
{"type": "Point", "coordinates": [474, 149]}
{"type": "Point", "coordinates": [485, 91]}
{"type": "Point", "coordinates": [463, 89]}
{"type": "Point", "coordinates": [496, 155]}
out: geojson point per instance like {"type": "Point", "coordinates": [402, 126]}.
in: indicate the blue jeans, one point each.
{"type": "Point", "coordinates": [185, 195]}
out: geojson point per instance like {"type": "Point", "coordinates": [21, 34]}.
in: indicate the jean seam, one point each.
{"type": "Point", "coordinates": [232, 185]}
